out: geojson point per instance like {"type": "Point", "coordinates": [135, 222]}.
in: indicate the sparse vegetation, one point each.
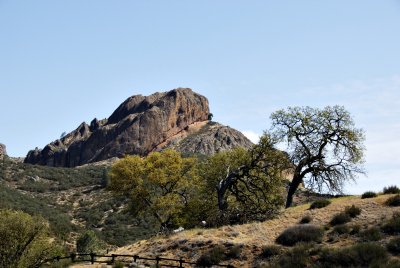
{"type": "Point", "coordinates": [393, 201]}
{"type": "Point", "coordinates": [393, 189]}
{"type": "Point", "coordinates": [394, 246]}
{"type": "Point", "coordinates": [320, 203]}
{"type": "Point", "coordinates": [270, 251]}
{"type": "Point", "coordinates": [212, 257]}
{"type": "Point", "coordinates": [371, 234]}
{"type": "Point", "coordinates": [341, 229]}
{"type": "Point", "coordinates": [340, 218]}
{"type": "Point", "coordinates": [305, 219]}
{"type": "Point", "coordinates": [352, 211]}
{"type": "Point", "coordinates": [368, 194]}
{"type": "Point", "coordinates": [393, 225]}
{"type": "Point", "coordinates": [300, 233]}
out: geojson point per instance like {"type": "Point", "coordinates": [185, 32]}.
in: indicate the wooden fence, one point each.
{"type": "Point", "coordinates": [129, 259]}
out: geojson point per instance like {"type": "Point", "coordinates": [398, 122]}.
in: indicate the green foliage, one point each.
{"type": "Point", "coordinates": [368, 194]}
{"type": "Point", "coordinates": [161, 183]}
{"type": "Point", "coordinates": [118, 264]}
{"type": "Point", "coordinates": [394, 246]}
{"type": "Point", "coordinates": [300, 233]}
{"type": "Point", "coordinates": [341, 229]}
{"type": "Point", "coordinates": [25, 240]}
{"type": "Point", "coordinates": [324, 145]}
{"type": "Point", "coordinates": [393, 201]}
{"type": "Point", "coordinates": [249, 184]}
{"type": "Point", "coordinates": [359, 255]}
{"type": "Point", "coordinates": [270, 251]}
{"type": "Point", "coordinates": [393, 225]}
{"type": "Point", "coordinates": [320, 203]}
{"type": "Point", "coordinates": [393, 189]}
{"type": "Point", "coordinates": [89, 242]}
{"type": "Point", "coordinates": [212, 257]}
{"type": "Point", "coordinates": [298, 256]}
{"type": "Point", "coordinates": [371, 234]}
{"type": "Point", "coordinates": [340, 218]}
{"type": "Point", "coordinates": [352, 211]}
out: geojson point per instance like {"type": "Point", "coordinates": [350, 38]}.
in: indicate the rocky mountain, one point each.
{"type": "Point", "coordinates": [3, 151]}
{"type": "Point", "coordinates": [141, 124]}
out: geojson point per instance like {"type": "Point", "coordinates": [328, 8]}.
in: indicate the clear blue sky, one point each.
{"type": "Point", "coordinates": [64, 62]}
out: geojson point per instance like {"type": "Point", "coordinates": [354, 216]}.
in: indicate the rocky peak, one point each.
{"type": "Point", "coordinates": [3, 151]}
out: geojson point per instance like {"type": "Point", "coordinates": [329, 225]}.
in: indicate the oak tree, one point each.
{"type": "Point", "coordinates": [324, 146]}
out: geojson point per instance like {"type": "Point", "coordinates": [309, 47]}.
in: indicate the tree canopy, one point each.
{"type": "Point", "coordinates": [24, 240]}
{"type": "Point", "coordinates": [162, 183]}
{"type": "Point", "coordinates": [324, 146]}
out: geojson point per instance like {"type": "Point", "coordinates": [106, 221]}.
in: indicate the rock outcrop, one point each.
{"type": "Point", "coordinates": [140, 125]}
{"type": "Point", "coordinates": [3, 151]}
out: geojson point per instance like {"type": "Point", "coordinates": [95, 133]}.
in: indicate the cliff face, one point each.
{"type": "Point", "coordinates": [3, 151]}
{"type": "Point", "coordinates": [138, 126]}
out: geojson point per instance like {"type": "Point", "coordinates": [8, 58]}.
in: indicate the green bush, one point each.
{"type": "Point", "coordinates": [393, 225]}
{"type": "Point", "coordinates": [359, 255]}
{"type": "Point", "coordinates": [393, 201]}
{"type": "Point", "coordinates": [212, 257]}
{"type": "Point", "coordinates": [355, 229]}
{"type": "Point", "coordinates": [300, 233]}
{"type": "Point", "coordinates": [340, 218]}
{"type": "Point", "coordinates": [89, 242]}
{"type": "Point", "coordinates": [298, 256]}
{"type": "Point", "coordinates": [368, 194]}
{"type": "Point", "coordinates": [341, 229]}
{"type": "Point", "coordinates": [320, 203]}
{"type": "Point", "coordinates": [371, 234]}
{"type": "Point", "coordinates": [306, 219]}
{"type": "Point", "coordinates": [394, 246]}
{"type": "Point", "coordinates": [352, 211]}
{"type": "Point", "coordinates": [393, 189]}
{"type": "Point", "coordinates": [270, 251]}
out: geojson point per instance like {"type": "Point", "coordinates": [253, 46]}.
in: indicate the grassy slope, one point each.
{"type": "Point", "coordinates": [192, 243]}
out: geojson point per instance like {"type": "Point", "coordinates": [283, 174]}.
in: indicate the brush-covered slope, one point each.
{"type": "Point", "coordinates": [140, 125]}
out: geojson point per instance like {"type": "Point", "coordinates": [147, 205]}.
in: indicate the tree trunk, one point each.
{"type": "Point", "coordinates": [292, 189]}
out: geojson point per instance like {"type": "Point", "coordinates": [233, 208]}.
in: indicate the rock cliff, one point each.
{"type": "Point", "coordinates": [3, 151]}
{"type": "Point", "coordinates": [140, 125]}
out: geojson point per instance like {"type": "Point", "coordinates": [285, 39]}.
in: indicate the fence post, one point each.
{"type": "Point", "coordinates": [73, 256]}
{"type": "Point", "coordinates": [157, 261]}
{"type": "Point", "coordinates": [180, 262]}
{"type": "Point", "coordinates": [112, 258]}
{"type": "Point", "coordinates": [92, 255]}
{"type": "Point", "coordinates": [135, 258]}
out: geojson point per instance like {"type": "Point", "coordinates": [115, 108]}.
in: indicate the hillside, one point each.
{"type": "Point", "coordinates": [248, 241]}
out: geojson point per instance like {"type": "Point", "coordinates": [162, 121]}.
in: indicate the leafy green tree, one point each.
{"type": "Point", "coordinates": [88, 242]}
{"type": "Point", "coordinates": [324, 146]}
{"type": "Point", "coordinates": [247, 183]}
{"type": "Point", "coordinates": [25, 241]}
{"type": "Point", "coordinates": [163, 183]}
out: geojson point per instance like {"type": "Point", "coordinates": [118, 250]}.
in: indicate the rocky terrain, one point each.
{"type": "Point", "coordinates": [142, 124]}
{"type": "Point", "coordinates": [3, 151]}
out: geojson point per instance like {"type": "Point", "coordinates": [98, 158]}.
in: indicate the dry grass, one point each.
{"type": "Point", "coordinates": [254, 236]}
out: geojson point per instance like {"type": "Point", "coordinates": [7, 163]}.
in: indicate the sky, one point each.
{"type": "Point", "coordinates": [65, 62]}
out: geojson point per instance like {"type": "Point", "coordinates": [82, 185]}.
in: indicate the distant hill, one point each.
{"type": "Point", "coordinates": [142, 124]}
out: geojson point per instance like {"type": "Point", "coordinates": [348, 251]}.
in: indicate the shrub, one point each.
{"type": "Point", "coordinates": [393, 201]}
{"type": "Point", "coordinates": [118, 264]}
{"type": "Point", "coordinates": [270, 251]}
{"type": "Point", "coordinates": [299, 256]}
{"type": "Point", "coordinates": [306, 219]}
{"type": "Point", "coordinates": [359, 255]}
{"type": "Point", "coordinates": [212, 257]}
{"type": "Point", "coordinates": [393, 225]}
{"type": "Point", "coordinates": [394, 246]}
{"type": "Point", "coordinates": [393, 189]}
{"type": "Point", "coordinates": [368, 194]}
{"type": "Point", "coordinates": [353, 211]}
{"type": "Point", "coordinates": [371, 234]}
{"type": "Point", "coordinates": [355, 229]}
{"type": "Point", "coordinates": [320, 203]}
{"type": "Point", "coordinates": [300, 233]}
{"type": "Point", "coordinates": [340, 218]}
{"type": "Point", "coordinates": [234, 252]}
{"type": "Point", "coordinates": [341, 229]}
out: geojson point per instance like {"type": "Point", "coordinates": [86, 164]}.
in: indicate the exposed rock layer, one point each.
{"type": "Point", "coordinates": [141, 125]}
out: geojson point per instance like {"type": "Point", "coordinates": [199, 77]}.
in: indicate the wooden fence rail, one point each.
{"type": "Point", "coordinates": [111, 259]}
